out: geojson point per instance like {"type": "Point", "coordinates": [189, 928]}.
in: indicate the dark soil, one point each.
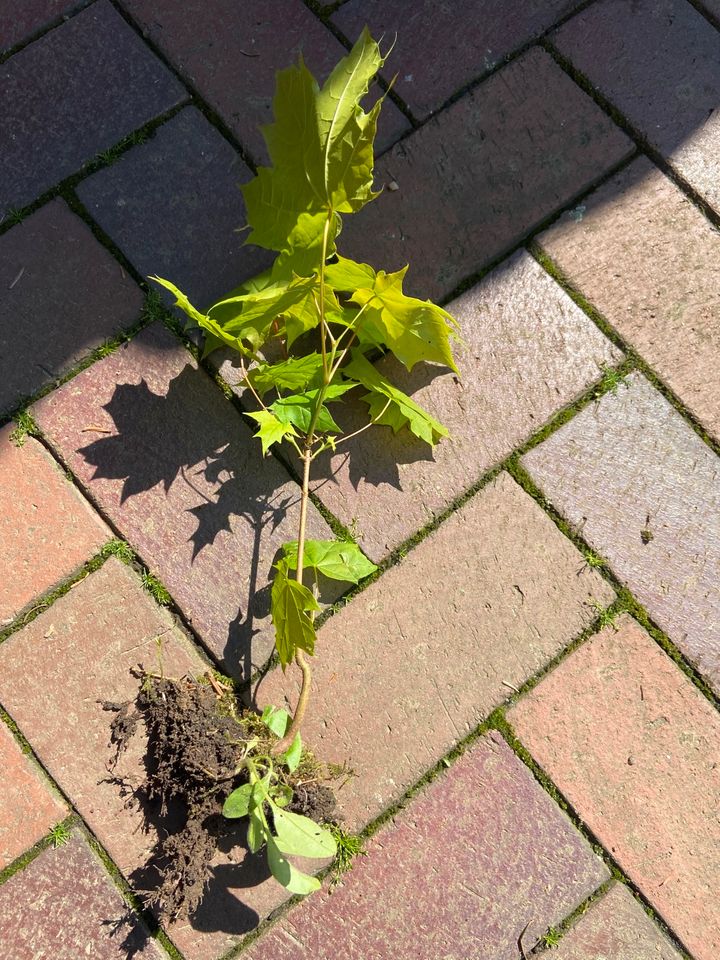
{"type": "Point", "coordinates": [195, 738]}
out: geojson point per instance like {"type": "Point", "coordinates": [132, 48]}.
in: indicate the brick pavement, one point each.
{"type": "Point", "coordinates": [551, 587]}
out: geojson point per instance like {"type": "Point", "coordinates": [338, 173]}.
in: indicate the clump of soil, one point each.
{"type": "Point", "coordinates": [196, 736]}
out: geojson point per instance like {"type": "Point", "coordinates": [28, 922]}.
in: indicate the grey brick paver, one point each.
{"type": "Point", "coordinates": [178, 472]}
{"type": "Point", "coordinates": [61, 295]}
{"type": "Point", "coordinates": [644, 491]}
{"type": "Point", "coordinates": [63, 906]}
{"type": "Point", "coordinates": [478, 177]}
{"type": "Point", "coordinates": [47, 530]}
{"type": "Point", "coordinates": [441, 47]}
{"type": "Point", "coordinates": [19, 21]}
{"type": "Point", "coordinates": [615, 926]}
{"type": "Point", "coordinates": [417, 660]}
{"type": "Point", "coordinates": [658, 62]}
{"type": "Point", "coordinates": [633, 745]}
{"type": "Point", "coordinates": [527, 352]}
{"type": "Point", "coordinates": [646, 258]}
{"type": "Point", "coordinates": [481, 858]}
{"type": "Point", "coordinates": [75, 92]}
{"type": "Point", "coordinates": [173, 206]}
{"type": "Point", "coordinates": [237, 76]}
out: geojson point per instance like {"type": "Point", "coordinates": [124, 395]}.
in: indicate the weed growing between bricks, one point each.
{"type": "Point", "coordinates": [305, 332]}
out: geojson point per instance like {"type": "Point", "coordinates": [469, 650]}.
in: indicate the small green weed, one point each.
{"type": "Point", "coordinates": [552, 938]}
{"type": "Point", "coordinates": [26, 427]}
{"type": "Point", "coordinates": [59, 835]}
{"type": "Point", "coordinates": [118, 548]}
{"type": "Point", "coordinates": [349, 846]}
{"type": "Point", "coordinates": [155, 588]}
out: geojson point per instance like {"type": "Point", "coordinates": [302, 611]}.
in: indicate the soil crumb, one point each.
{"type": "Point", "coordinates": [195, 741]}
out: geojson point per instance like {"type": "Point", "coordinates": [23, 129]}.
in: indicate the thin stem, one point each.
{"type": "Point", "coordinates": [367, 426]}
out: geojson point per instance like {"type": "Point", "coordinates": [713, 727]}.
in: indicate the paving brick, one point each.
{"type": "Point", "coordinates": [64, 906]}
{"type": "Point", "coordinates": [61, 294]}
{"type": "Point", "coordinates": [441, 47]}
{"type": "Point", "coordinates": [47, 530]}
{"type": "Point", "coordinates": [18, 22]}
{"type": "Point", "coordinates": [173, 207]}
{"type": "Point", "coordinates": [528, 352]}
{"type": "Point", "coordinates": [417, 660]}
{"type": "Point", "coordinates": [644, 491]}
{"type": "Point", "coordinates": [633, 745]}
{"type": "Point", "coordinates": [73, 93]}
{"type": "Point", "coordinates": [237, 76]}
{"type": "Point", "coordinates": [459, 874]}
{"type": "Point", "coordinates": [84, 650]}
{"type": "Point", "coordinates": [615, 926]}
{"type": "Point", "coordinates": [646, 258]}
{"type": "Point", "coordinates": [178, 472]}
{"type": "Point", "coordinates": [658, 62]}
{"type": "Point", "coordinates": [482, 174]}
{"type": "Point", "coordinates": [27, 806]}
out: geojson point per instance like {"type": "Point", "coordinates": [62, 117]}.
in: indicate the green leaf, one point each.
{"type": "Point", "coordinates": [413, 329]}
{"type": "Point", "coordinates": [391, 406]}
{"type": "Point", "coordinates": [288, 875]}
{"type": "Point", "coordinates": [276, 719]}
{"type": "Point", "coordinates": [337, 559]}
{"type": "Point", "coordinates": [300, 836]}
{"type": "Point", "coordinates": [282, 794]}
{"type": "Point", "coordinates": [238, 802]}
{"type": "Point", "coordinates": [346, 131]}
{"type": "Point", "coordinates": [292, 374]}
{"type": "Point", "coordinates": [250, 316]}
{"type": "Point", "coordinates": [297, 410]}
{"type": "Point", "coordinates": [291, 604]}
{"type": "Point", "coordinates": [349, 276]}
{"type": "Point", "coordinates": [181, 300]}
{"type": "Point", "coordinates": [294, 753]}
{"type": "Point", "coordinates": [272, 430]}
{"type": "Point", "coordinates": [257, 831]}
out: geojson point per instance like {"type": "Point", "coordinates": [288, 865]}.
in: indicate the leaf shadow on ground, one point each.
{"type": "Point", "coordinates": [188, 440]}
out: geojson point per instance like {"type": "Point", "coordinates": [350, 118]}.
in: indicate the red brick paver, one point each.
{"type": "Point", "coordinates": [474, 37]}
{"type": "Point", "coordinates": [64, 906]}
{"type": "Point", "coordinates": [18, 21]}
{"type": "Point", "coordinates": [615, 926]}
{"type": "Point", "coordinates": [476, 179]}
{"type": "Point", "coordinates": [658, 62]}
{"type": "Point", "coordinates": [70, 95]}
{"type": "Point", "coordinates": [634, 747]}
{"type": "Point", "coordinates": [47, 530]}
{"type": "Point", "coordinates": [527, 352]}
{"type": "Point", "coordinates": [87, 648]}
{"type": "Point", "coordinates": [189, 173]}
{"type": "Point", "coordinates": [644, 491]}
{"type": "Point", "coordinates": [480, 855]}
{"type": "Point", "coordinates": [27, 807]}
{"type": "Point", "coordinates": [180, 474]}
{"type": "Point", "coordinates": [92, 300]}
{"type": "Point", "coordinates": [415, 662]}
{"type": "Point", "coordinates": [230, 52]}
{"type": "Point", "coordinates": [646, 258]}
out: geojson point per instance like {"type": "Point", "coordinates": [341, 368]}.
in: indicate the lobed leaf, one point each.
{"type": "Point", "coordinates": [271, 429]}
{"type": "Point", "coordinates": [391, 406]}
{"type": "Point", "coordinates": [291, 604]}
{"type": "Point", "coordinates": [292, 374]}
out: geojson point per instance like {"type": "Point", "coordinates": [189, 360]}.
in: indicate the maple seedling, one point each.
{"type": "Point", "coordinates": [321, 151]}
